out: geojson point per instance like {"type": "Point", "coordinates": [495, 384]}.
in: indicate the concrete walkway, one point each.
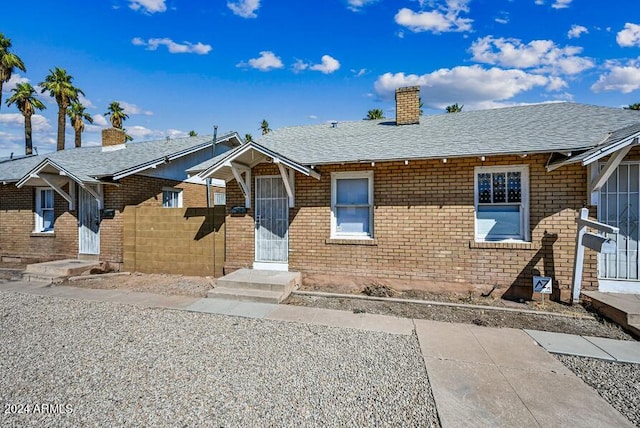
{"type": "Point", "coordinates": [480, 376]}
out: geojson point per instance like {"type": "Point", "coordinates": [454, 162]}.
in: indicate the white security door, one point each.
{"type": "Point", "coordinates": [619, 206]}
{"type": "Point", "coordinates": [271, 223]}
{"type": "Point", "coordinates": [88, 223]}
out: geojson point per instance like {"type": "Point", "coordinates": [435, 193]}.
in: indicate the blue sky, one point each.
{"type": "Point", "coordinates": [180, 65]}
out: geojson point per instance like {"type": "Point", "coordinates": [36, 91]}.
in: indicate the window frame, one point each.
{"type": "Point", "coordinates": [38, 212]}
{"type": "Point", "coordinates": [523, 205]}
{"type": "Point", "coordinates": [172, 190]}
{"type": "Point", "coordinates": [335, 176]}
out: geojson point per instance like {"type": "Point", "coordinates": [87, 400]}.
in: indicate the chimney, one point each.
{"type": "Point", "coordinates": [408, 105]}
{"type": "Point", "coordinates": [113, 139]}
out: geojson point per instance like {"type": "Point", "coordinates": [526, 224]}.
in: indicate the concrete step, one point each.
{"type": "Point", "coordinates": [60, 268]}
{"type": "Point", "coordinates": [267, 280]}
{"type": "Point", "coordinates": [256, 285]}
{"type": "Point", "coordinates": [262, 296]}
{"type": "Point", "coordinates": [44, 279]}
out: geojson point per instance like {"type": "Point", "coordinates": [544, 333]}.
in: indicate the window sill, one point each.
{"type": "Point", "coordinates": [502, 245]}
{"type": "Point", "coordinates": [351, 241]}
{"type": "Point", "coordinates": [43, 234]}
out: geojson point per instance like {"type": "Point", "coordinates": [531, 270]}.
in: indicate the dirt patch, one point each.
{"type": "Point", "coordinates": [590, 326]}
{"type": "Point", "coordinates": [194, 286]}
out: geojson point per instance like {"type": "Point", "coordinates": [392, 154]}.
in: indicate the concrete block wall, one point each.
{"type": "Point", "coordinates": [424, 226]}
{"type": "Point", "coordinates": [186, 241]}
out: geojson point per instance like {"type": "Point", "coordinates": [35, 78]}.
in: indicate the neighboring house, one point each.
{"type": "Point", "coordinates": [467, 199]}
{"type": "Point", "coordinates": [69, 204]}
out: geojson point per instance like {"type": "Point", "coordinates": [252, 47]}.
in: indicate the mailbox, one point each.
{"type": "Point", "coordinates": [239, 210]}
{"type": "Point", "coordinates": [599, 243]}
{"type": "Point", "coordinates": [107, 213]}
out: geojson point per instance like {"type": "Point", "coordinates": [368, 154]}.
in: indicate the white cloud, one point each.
{"type": "Point", "coordinates": [359, 73]}
{"type": "Point", "coordinates": [630, 36]}
{"type": "Point", "coordinates": [444, 18]}
{"type": "Point", "coordinates": [86, 102]}
{"type": "Point", "coordinates": [561, 4]}
{"type": "Point", "coordinates": [39, 123]}
{"type": "Point", "coordinates": [619, 77]}
{"type": "Point", "coordinates": [327, 66]}
{"type": "Point", "coordinates": [148, 6]}
{"type": "Point", "coordinates": [13, 81]}
{"type": "Point", "coordinates": [99, 120]}
{"type": "Point", "coordinates": [356, 5]}
{"type": "Point", "coordinates": [265, 62]}
{"type": "Point", "coordinates": [244, 8]}
{"type": "Point", "coordinates": [502, 20]}
{"type": "Point", "coordinates": [299, 66]}
{"type": "Point", "coordinates": [313, 117]}
{"type": "Point", "coordinates": [473, 86]}
{"type": "Point", "coordinates": [173, 47]}
{"type": "Point", "coordinates": [142, 133]}
{"type": "Point", "coordinates": [537, 55]}
{"type": "Point", "coordinates": [539, 2]}
{"type": "Point", "coordinates": [134, 109]}
{"type": "Point", "coordinates": [576, 31]}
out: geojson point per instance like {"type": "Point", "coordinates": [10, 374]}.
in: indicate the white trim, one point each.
{"type": "Point", "coordinates": [39, 218]}
{"type": "Point", "coordinates": [172, 190]}
{"type": "Point", "coordinates": [334, 221]}
{"type": "Point", "coordinates": [267, 265]}
{"type": "Point", "coordinates": [271, 266]}
{"type": "Point", "coordinates": [524, 201]}
{"type": "Point", "coordinates": [618, 286]}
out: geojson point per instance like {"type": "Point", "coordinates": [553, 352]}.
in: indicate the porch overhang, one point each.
{"type": "Point", "coordinates": [238, 163]}
{"type": "Point", "coordinates": [50, 174]}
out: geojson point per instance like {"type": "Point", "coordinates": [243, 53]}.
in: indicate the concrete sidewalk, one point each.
{"type": "Point", "coordinates": [480, 376]}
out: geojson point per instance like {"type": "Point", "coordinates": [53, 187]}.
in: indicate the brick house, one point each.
{"type": "Point", "coordinates": [461, 201]}
{"type": "Point", "coordinates": [69, 204]}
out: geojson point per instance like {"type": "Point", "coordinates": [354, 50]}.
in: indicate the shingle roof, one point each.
{"type": "Point", "coordinates": [90, 163]}
{"type": "Point", "coordinates": [524, 129]}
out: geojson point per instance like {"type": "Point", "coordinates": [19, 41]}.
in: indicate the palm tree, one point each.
{"type": "Point", "coordinates": [117, 114]}
{"type": "Point", "coordinates": [8, 62]}
{"type": "Point", "coordinates": [78, 116]}
{"type": "Point", "coordinates": [59, 85]}
{"type": "Point", "coordinates": [454, 108]}
{"type": "Point", "coordinates": [635, 106]}
{"type": "Point", "coordinates": [248, 138]}
{"type": "Point", "coordinates": [375, 114]}
{"type": "Point", "coordinates": [25, 98]}
{"type": "Point", "coordinates": [193, 133]}
{"type": "Point", "coordinates": [264, 126]}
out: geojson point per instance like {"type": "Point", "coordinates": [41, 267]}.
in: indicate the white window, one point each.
{"type": "Point", "coordinates": [44, 210]}
{"type": "Point", "coordinates": [352, 204]}
{"type": "Point", "coordinates": [219, 198]}
{"type": "Point", "coordinates": [172, 198]}
{"type": "Point", "coordinates": [502, 203]}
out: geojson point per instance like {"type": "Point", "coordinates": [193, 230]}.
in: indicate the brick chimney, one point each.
{"type": "Point", "coordinates": [408, 105]}
{"type": "Point", "coordinates": [113, 137]}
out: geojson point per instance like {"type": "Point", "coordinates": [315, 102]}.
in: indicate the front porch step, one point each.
{"type": "Point", "coordinates": [59, 268]}
{"type": "Point", "coordinates": [256, 285]}
{"type": "Point", "coordinates": [261, 296]}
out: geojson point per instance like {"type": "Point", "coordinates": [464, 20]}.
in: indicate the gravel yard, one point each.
{"type": "Point", "coordinates": [103, 364]}
{"type": "Point", "coordinates": [618, 383]}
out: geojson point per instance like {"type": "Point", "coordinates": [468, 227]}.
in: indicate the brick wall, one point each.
{"type": "Point", "coordinates": [424, 226]}
{"type": "Point", "coordinates": [17, 239]}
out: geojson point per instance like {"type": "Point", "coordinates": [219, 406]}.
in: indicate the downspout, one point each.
{"type": "Point", "coordinates": [213, 154]}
